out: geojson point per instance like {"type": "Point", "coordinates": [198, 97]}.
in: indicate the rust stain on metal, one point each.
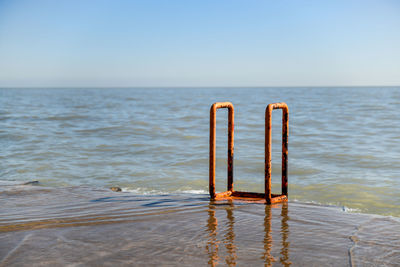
{"type": "Point", "coordinates": [213, 112]}
{"type": "Point", "coordinates": [267, 196]}
{"type": "Point", "coordinates": [268, 147]}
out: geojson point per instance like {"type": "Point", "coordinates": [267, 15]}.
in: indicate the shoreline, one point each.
{"type": "Point", "coordinates": [79, 225]}
{"type": "Point", "coordinates": [37, 185]}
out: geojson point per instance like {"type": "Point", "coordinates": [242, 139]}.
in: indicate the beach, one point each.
{"type": "Point", "coordinates": [85, 226]}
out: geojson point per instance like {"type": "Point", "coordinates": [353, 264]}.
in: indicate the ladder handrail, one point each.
{"type": "Point", "coordinates": [213, 111]}
{"type": "Point", "coordinates": [267, 196]}
{"type": "Point", "coordinates": [268, 148]}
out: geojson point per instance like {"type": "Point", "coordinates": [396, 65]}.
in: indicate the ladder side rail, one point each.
{"type": "Point", "coordinates": [230, 155]}
{"type": "Point", "coordinates": [268, 148]}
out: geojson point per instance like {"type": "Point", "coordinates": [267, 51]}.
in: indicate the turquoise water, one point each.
{"type": "Point", "coordinates": [343, 145]}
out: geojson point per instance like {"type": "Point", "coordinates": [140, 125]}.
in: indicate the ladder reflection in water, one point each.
{"type": "Point", "coordinates": [231, 242]}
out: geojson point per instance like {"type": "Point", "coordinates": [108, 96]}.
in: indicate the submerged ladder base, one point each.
{"type": "Point", "coordinates": [250, 196]}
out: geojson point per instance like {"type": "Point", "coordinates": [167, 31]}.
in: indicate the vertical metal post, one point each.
{"type": "Point", "coordinates": [285, 141]}
{"type": "Point", "coordinates": [268, 148]}
{"type": "Point", "coordinates": [213, 110]}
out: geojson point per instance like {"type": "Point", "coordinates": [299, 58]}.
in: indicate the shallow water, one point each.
{"type": "Point", "coordinates": [343, 144]}
{"type": "Point", "coordinates": [82, 226]}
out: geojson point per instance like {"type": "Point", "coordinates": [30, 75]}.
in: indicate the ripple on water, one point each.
{"type": "Point", "coordinates": [186, 228]}
{"type": "Point", "coordinates": [156, 137]}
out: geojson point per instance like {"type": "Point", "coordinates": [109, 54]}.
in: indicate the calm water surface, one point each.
{"type": "Point", "coordinates": [344, 144]}
{"type": "Point", "coordinates": [80, 226]}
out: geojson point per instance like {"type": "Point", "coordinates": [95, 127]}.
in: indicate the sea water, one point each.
{"type": "Point", "coordinates": [343, 142]}
{"type": "Point", "coordinates": [343, 145]}
{"type": "Point", "coordinates": [344, 158]}
{"type": "Point", "coordinates": [83, 226]}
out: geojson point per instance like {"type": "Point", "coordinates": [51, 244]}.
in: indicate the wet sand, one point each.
{"type": "Point", "coordinates": [97, 227]}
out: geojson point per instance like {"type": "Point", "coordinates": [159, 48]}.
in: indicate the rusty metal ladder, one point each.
{"type": "Point", "coordinates": [267, 196]}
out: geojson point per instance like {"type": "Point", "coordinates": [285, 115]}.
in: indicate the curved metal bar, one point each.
{"type": "Point", "coordinates": [268, 148]}
{"type": "Point", "coordinates": [213, 111]}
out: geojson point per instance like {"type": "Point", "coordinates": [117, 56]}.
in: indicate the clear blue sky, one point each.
{"type": "Point", "coordinates": [199, 43]}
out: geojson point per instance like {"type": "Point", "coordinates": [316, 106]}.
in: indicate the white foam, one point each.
{"type": "Point", "coordinates": [193, 191]}
{"type": "Point", "coordinates": [148, 192]}
{"type": "Point", "coordinates": [334, 205]}
{"type": "Point", "coordinates": [143, 191]}
{"type": "Point", "coordinates": [351, 210]}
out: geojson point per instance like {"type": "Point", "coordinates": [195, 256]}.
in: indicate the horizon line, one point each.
{"type": "Point", "coordinates": [183, 86]}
